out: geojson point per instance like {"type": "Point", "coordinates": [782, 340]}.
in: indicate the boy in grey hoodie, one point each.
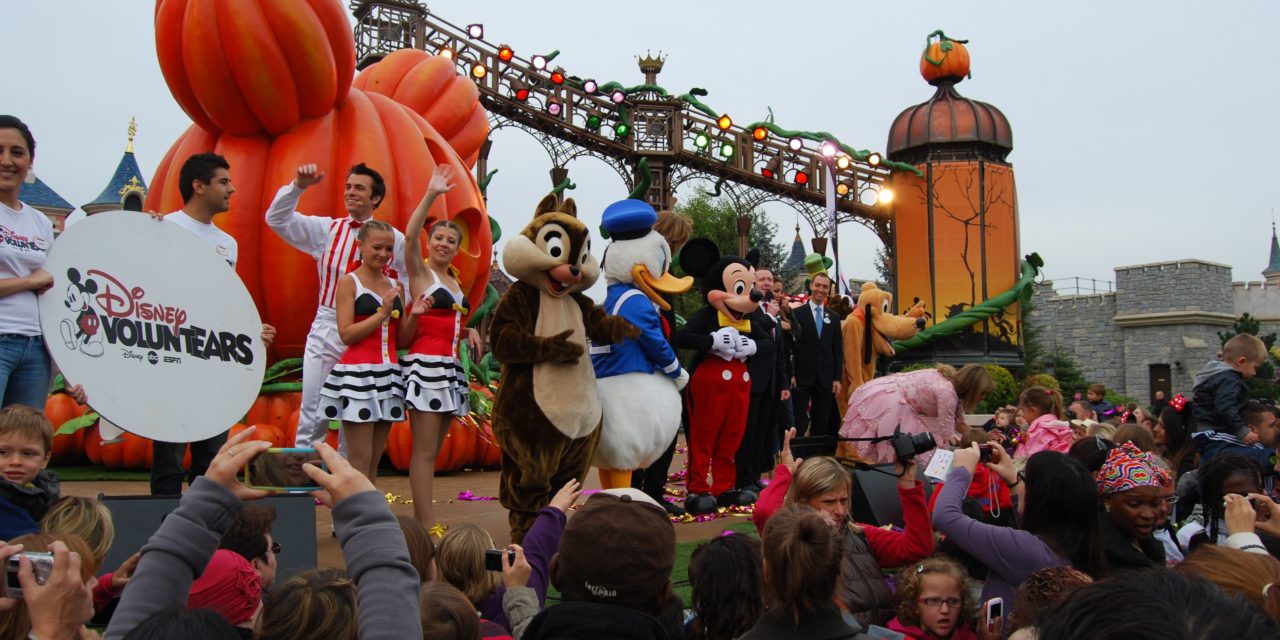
{"type": "Point", "coordinates": [1220, 393]}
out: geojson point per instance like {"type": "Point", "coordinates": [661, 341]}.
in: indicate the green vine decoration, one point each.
{"type": "Point", "coordinates": [483, 183]}
{"type": "Point", "coordinates": [486, 306]}
{"type": "Point", "coordinates": [564, 184]}
{"type": "Point", "coordinates": [646, 180]}
{"type": "Point", "coordinates": [1020, 292]}
{"type": "Point", "coordinates": [495, 229]}
{"type": "Point", "coordinates": [944, 45]}
{"type": "Point", "coordinates": [860, 155]}
{"type": "Point", "coordinates": [715, 192]}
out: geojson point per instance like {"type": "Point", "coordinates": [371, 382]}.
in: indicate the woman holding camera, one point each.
{"type": "Point", "coordinates": [825, 484]}
{"type": "Point", "coordinates": [932, 401]}
{"type": "Point", "coordinates": [1057, 503]}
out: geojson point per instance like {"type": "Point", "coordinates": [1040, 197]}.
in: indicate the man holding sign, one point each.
{"type": "Point", "coordinates": [332, 242]}
{"type": "Point", "coordinates": [205, 185]}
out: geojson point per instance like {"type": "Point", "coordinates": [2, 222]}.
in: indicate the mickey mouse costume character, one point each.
{"type": "Point", "coordinates": [639, 379]}
{"type": "Point", "coordinates": [719, 391]}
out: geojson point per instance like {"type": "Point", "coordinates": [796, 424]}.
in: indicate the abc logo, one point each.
{"type": "Point", "coordinates": [152, 357]}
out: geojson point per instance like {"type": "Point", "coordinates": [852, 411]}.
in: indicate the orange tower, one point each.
{"type": "Point", "coordinates": [956, 225]}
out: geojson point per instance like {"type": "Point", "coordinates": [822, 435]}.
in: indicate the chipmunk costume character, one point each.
{"type": "Point", "coordinates": [547, 413]}
{"type": "Point", "coordinates": [640, 379]}
{"type": "Point", "coordinates": [719, 392]}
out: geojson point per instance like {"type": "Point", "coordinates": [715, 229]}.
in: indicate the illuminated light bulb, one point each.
{"type": "Point", "coordinates": [842, 189]}
{"type": "Point", "coordinates": [539, 62]}
{"type": "Point", "coordinates": [621, 130]}
{"type": "Point", "coordinates": [766, 172]}
{"type": "Point", "coordinates": [802, 177]}
{"type": "Point", "coordinates": [557, 76]}
{"type": "Point", "coordinates": [553, 106]}
{"type": "Point", "coordinates": [618, 96]}
{"type": "Point", "coordinates": [726, 150]}
{"type": "Point", "coordinates": [724, 122]}
{"type": "Point", "coordinates": [874, 160]}
{"type": "Point", "coordinates": [795, 144]}
{"type": "Point", "coordinates": [479, 71]}
{"type": "Point", "coordinates": [842, 162]}
{"type": "Point", "coordinates": [445, 52]}
{"type": "Point", "coordinates": [701, 141]}
{"type": "Point", "coordinates": [589, 86]}
{"type": "Point", "coordinates": [593, 122]}
{"type": "Point", "coordinates": [522, 94]}
{"type": "Point", "coordinates": [760, 133]}
{"type": "Point", "coordinates": [475, 31]}
{"type": "Point", "coordinates": [828, 150]}
{"type": "Point", "coordinates": [885, 196]}
{"type": "Point", "coordinates": [505, 53]}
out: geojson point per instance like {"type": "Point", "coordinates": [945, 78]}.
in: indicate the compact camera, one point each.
{"type": "Point", "coordinates": [41, 565]}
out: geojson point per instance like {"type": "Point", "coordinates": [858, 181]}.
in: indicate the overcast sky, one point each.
{"type": "Point", "coordinates": [1142, 133]}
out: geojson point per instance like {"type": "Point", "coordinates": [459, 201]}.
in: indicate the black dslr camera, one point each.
{"type": "Point", "coordinates": [908, 445]}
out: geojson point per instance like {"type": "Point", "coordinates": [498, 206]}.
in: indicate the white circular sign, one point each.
{"type": "Point", "coordinates": [154, 324]}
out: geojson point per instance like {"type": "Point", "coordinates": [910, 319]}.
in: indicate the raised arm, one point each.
{"type": "Point", "coordinates": [441, 182]}
{"type": "Point", "coordinates": [308, 234]}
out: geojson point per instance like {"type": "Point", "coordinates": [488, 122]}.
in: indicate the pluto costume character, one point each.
{"type": "Point", "coordinates": [639, 379]}
{"type": "Point", "coordinates": [867, 332]}
{"type": "Point", "coordinates": [547, 412]}
{"type": "Point", "coordinates": [719, 392]}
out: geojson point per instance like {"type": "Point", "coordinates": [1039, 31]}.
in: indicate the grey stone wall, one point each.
{"type": "Point", "coordinates": [1183, 285]}
{"type": "Point", "coordinates": [1186, 348]}
{"type": "Point", "coordinates": [1083, 326]}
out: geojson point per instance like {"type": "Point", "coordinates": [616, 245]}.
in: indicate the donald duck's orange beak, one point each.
{"type": "Point", "coordinates": [653, 288]}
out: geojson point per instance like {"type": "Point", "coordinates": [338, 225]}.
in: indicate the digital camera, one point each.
{"type": "Point", "coordinates": [909, 445]}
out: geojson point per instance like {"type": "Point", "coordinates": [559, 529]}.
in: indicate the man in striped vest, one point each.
{"type": "Point", "coordinates": [332, 242]}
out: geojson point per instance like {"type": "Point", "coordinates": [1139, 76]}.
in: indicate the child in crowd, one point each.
{"type": "Point", "coordinates": [1043, 591]}
{"type": "Point", "coordinates": [1252, 576]}
{"type": "Point", "coordinates": [71, 610]}
{"type": "Point", "coordinates": [460, 557]}
{"type": "Point", "coordinates": [725, 576]}
{"type": "Point", "coordinates": [422, 551]}
{"type": "Point", "coordinates": [1047, 429]}
{"type": "Point", "coordinates": [1225, 474]}
{"type": "Point", "coordinates": [935, 601]}
{"type": "Point", "coordinates": [1220, 393]}
{"type": "Point", "coordinates": [1003, 428]}
{"type": "Point", "coordinates": [28, 489]}
{"type": "Point", "coordinates": [91, 521]}
{"type": "Point", "coordinates": [1096, 395]}
{"type": "Point", "coordinates": [448, 615]}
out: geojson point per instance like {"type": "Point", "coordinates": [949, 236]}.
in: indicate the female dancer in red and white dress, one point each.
{"type": "Point", "coordinates": [365, 389]}
{"type": "Point", "coordinates": [435, 383]}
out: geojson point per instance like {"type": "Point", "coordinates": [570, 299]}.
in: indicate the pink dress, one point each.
{"type": "Point", "coordinates": [920, 401]}
{"type": "Point", "coordinates": [1046, 433]}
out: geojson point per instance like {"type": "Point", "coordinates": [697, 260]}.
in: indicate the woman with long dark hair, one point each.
{"type": "Point", "coordinates": [1059, 526]}
{"type": "Point", "coordinates": [1173, 431]}
{"type": "Point", "coordinates": [724, 574]}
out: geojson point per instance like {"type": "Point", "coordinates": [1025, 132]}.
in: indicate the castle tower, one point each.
{"type": "Point", "coordinates": [1272, 272]}
{"type": "Point", "coordinates": [44, 199]}
{"type": "Point", "coordinates": [793, 272]}
{"type": "Point", "coordinates": [956, 226]}
{"type": "Point", "coordinates": [127, 188]}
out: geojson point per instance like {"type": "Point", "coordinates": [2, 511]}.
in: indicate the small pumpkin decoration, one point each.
{"type": "Point", "coordinates": [129, 452]}
{"type": "Point", "coordinates": [944, 60]}
{"type": "Point", "coordinates": [61, 409]}
{"type": "Point", "coordinates": [265, 432]}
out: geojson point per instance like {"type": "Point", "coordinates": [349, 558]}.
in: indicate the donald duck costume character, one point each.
{"type": "Point", "coordinates": [640, 378]}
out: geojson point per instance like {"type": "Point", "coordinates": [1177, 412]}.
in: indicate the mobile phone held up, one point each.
{"type": "Point", "coordinates": [41, 565]}
{"type": "Point", "coordinates": [493, 559]}
{"type": "Point", "coordinates": [281, 470]}
{"type": "Point", "coordinates": [995, 611]}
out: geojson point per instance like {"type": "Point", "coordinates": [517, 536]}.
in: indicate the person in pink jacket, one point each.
{"type": "Point", "coordinates": [1047, 427]}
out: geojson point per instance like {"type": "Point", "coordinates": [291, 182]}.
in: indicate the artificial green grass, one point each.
{"type": "Point", "coordinates": [98, 473]}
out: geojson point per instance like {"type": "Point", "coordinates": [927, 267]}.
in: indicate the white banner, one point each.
{"type": "Point", "coordinates": [154, 324]}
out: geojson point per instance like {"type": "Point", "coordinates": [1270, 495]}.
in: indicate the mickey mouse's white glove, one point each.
{"type": "Point", "coordinates": [682, 379]}
{"type": "Point", "coordinates": [724, 343]}
{"type": "Point", "coordinates": [745, 347]}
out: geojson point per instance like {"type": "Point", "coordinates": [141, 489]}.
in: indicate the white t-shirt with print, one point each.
{"type": "Point", "coordinates": [25, 238]}
{"type": "Point", "coordinates": [220, 240]}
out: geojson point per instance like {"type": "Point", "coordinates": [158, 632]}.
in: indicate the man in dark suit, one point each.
{"type": "Point", "coordinates": [819, 360]}
{"type": "Point", "coordinates": [770, 382]}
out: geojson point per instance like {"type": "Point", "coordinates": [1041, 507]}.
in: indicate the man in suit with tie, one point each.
{"type": "Point", "coordinates": [770, 383]}
{"type": "Point", "coordinates": [819, 360]}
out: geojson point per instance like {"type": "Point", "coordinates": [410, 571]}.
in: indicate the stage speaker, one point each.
{"type": "Point", "coordinates": [875, 495]}
{"type": "Point", "coordinates": [136, 519]}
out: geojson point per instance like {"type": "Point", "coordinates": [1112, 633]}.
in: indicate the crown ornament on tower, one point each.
{"type": "Point", "coordinates": [651, 66]}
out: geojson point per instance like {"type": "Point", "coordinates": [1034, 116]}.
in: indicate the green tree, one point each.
{"type": "Point", "coordinates": [716, 219]}
{"type": "Point", "coordinates": [1062, 366]}
{"type": "Point", "coordinates": [884, 268]}
{"type": "Point", "coordinates": [1033, 351]}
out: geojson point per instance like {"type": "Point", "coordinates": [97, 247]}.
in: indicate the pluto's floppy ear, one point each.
{"type": "Point", "coordinates": [569, 207]}
{"type": "Point", "coordinates": [753, 257]}
{"type": "Point", "coordinates": [547, 204]}
{"type": "Point", "coordinates": [698, 255]}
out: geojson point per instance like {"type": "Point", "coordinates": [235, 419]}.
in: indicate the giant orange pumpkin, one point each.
{"type": "Point", "coordinates": [247, 67]}
{"type": "Point", "coordinates": [945, 59]}
{"type": "Point", "coordinates": [355, 126]}
{"type": "Point", "coordinates": [61, 408]}
{"type": "Point", "coordinates": [431, 87]}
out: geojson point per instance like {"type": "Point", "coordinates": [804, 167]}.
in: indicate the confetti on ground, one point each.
{"type": "Point", "coordinates": [722, 512]}
{"type": "Point", "coordinates": [397, 499]}
{"type": "Point", "coordinates": [439, 530]}
{"type": "Point", "coordinates": [471, 497]}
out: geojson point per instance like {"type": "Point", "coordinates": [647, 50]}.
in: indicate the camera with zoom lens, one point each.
{"type": "Point", "coordinates": [909, 445]}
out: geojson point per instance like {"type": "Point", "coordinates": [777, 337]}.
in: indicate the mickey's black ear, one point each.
{"type": "Point", "coordinates": [753, 256]}
{"type": "Point", "coordinates": [91, 286]}
{"type": "Point", "coordinates": [73, 276]}
{"type": "Point", "coordinates": [698, 255]}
